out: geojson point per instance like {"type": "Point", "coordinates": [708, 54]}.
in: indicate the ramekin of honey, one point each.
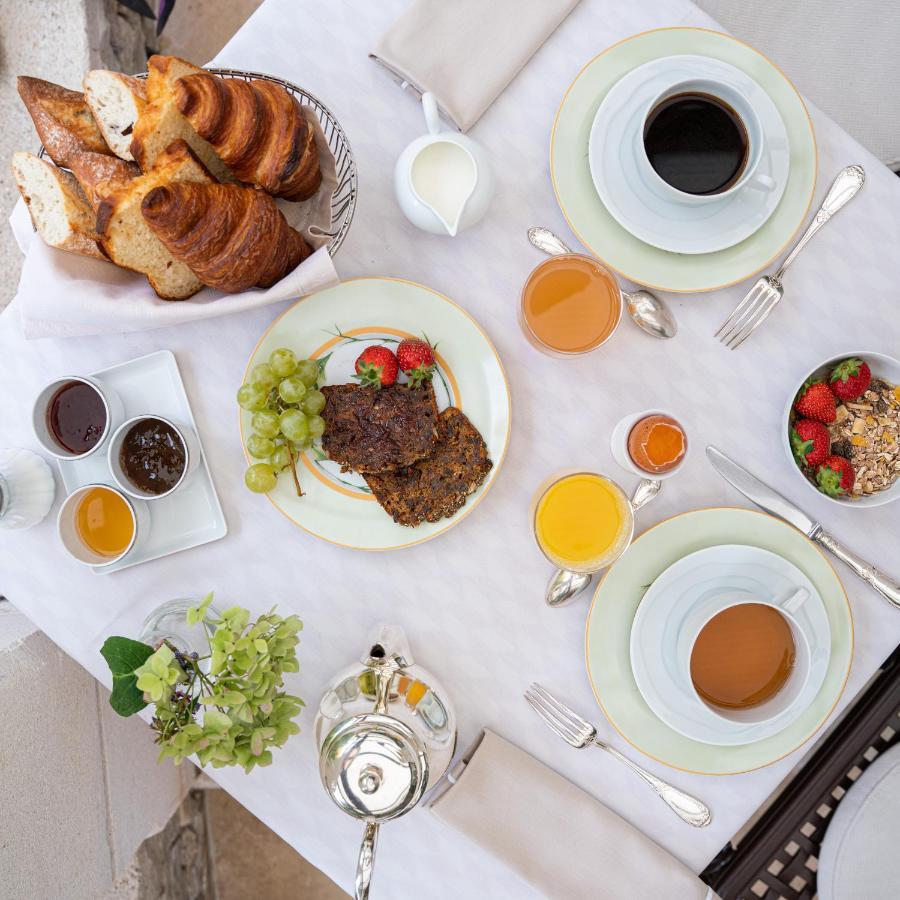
{"type": "Point", "coordinates": [570, 305]}
{"type": "Point", "coordinates": [98, 524]}
{"type": "Point", "coordinates": [652, 444]}
{"type": "Point", "coordinates": [73, 416]}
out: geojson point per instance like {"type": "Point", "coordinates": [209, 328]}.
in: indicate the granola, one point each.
{"type": "Point", "coordinates": [866, 431]}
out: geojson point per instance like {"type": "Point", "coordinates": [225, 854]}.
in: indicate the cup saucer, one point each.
{"type": "Point", "coordinates": [739, 569]}
{"type": "Point", "coordinates": [666, 223]}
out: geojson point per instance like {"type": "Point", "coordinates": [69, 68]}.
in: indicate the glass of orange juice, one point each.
{"type": "Point", "coordinates": [570, 305]}
{"type": "Point", "coordinates": [582, 522]}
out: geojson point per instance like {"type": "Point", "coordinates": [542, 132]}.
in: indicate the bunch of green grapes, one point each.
{"type": "Point", "coordinates": [283, 397]}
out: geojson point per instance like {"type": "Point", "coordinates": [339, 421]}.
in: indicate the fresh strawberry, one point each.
{"type": "Point", "coordinates": [835, 476]}
{"type": "Point", "coordinates": [850, 379]}
{"type": "Point", "coordinates": [416, 359]}
{"type": "Point", "coordinates": [376, 367]}
{"type": "Point", "coordinates": [810, 442]}
{"type": "Point", "coordinates": [815, 401]}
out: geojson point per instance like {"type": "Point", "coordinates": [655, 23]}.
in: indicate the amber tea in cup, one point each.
{"type": "Point", "coordinates": [570, 305]}
{"type": "Point", "coordinates": [743, 656]}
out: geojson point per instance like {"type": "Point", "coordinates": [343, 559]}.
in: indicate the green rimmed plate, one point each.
{"type": "Point", "coordinates": [608, 633]}
{"type": "Point", "coordinates": [333, 326]}
{"type": "Point", "coordinates": [618, 248]}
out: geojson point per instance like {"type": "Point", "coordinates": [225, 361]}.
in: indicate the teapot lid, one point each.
{"type": "Point", "coordinates": [373, 766]}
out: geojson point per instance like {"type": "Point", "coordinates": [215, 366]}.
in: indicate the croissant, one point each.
{"type": "Point", "coordinates": [257, 128]}
{"type": "Point", "coordinates": [231, 236]}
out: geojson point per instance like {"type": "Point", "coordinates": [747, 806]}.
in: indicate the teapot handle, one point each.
{"type": "Point", "coordinates": [432, 117]}
{"type": "Point", "coordinates": [366, 861]}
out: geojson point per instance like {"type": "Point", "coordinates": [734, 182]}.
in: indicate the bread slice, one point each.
{"type": "Point", "coordinates": [161, 122]}
{"type": "Point", "coordinates": [62, 119]}
{"type": "Point", "coordinates": [116, 101]}
{"type": "Point", "coordinates": [98, 173]}
{"type": "Point", "coordinates": [437, 486]}
{"type": "Point", "coordinates": [127, 239]}
{"type": "Point", "coordinates": [58, 208]}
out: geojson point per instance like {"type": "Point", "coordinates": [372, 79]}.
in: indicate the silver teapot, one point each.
{"type": "Point", "coordinates": [386, 734]}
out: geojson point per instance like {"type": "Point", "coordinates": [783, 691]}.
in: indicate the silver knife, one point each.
{"type": "Point", "coordinates": [772, 502]}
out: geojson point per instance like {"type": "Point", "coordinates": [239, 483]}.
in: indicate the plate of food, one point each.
{"type": "Point", "coordinates": [374, 414]}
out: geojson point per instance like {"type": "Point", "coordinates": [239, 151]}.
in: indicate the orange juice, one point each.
{"type": "Point", "coordinates": [570, 304]}
{"type": "Point", "coordinates": [104, 522]}
{"type": "Point", "coordinates": [583, 522]}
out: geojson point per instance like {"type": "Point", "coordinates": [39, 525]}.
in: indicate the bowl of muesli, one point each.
{"type": "Point", "coordinates": [842, 429]}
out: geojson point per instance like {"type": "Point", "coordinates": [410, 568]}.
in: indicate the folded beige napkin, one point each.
{"type": "Point", "coordinates": [467, 51]}
{"type": "Point", "coordinates": [554, 835]}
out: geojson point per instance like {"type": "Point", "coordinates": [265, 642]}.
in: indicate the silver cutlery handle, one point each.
{"type": "Point", "coordinates": [689, 809]}
{"type": "Point", "coordinates": [887, 587]}
{"type": "Point", "coordinates": [544, 239]}
{"type": "Point", "coordinates": [844, 188]}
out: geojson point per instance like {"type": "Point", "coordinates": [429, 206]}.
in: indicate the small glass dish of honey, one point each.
{"type": "Point", "coordinates": [570, 305]}
{"type": "Point", "coordinates": [98, 524]}
{"type": "Point", "coordinates": [651, 444]}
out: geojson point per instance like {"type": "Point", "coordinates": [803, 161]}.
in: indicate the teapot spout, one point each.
{"type": "Point", "coordinates": [387, 642]}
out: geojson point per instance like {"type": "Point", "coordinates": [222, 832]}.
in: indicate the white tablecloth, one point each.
{"type": "Point", "coordinates": [471, 601]}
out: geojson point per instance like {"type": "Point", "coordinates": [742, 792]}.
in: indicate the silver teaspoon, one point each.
{"type": "Point", "coordinates": [647, 311]}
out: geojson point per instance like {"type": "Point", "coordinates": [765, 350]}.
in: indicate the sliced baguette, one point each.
{"type": "Point", "coordinates": [98, 173]}
{"type": "Point", "coordinates": [161, 122]}
{"type": "Point", "coordinates": [58, 208]}
{"type": "Point", "coordinates": [116, 101]}
{"type": "Point", "coordinates": [62, 118]}
{"type": "Point", "coordinates": [127, 239]}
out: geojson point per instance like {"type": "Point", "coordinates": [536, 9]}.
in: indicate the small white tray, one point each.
{"type": "Point", "coordinates": [192, 515]}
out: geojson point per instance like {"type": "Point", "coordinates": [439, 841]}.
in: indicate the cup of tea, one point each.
{"type": "Point", "coordinates": [98, 525]}
{"type": "Point", "coordinates": [73, 416]}
{"type": "Point", "coordinates": [701, 141]}
{"type": "Point", "coordinates": [650, 443]}
{"type": "Point", "coordinates": [745, 658]}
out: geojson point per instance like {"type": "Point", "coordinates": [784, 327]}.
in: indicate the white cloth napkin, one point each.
{"type": "Point", "coordinates": [65, 295]}
{"type": "Point", "coordinates": [554, 835]}
{"type": "Point", "coordinates": [467, 51]}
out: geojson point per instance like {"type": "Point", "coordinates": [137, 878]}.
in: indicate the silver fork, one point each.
{"type": "Point", "coordinates": [578, 733]}
{"type": "Point", "coordinates": [762, 298]}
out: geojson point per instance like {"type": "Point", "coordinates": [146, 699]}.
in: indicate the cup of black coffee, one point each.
{"type": "Point", "coordinates": [701, 141]}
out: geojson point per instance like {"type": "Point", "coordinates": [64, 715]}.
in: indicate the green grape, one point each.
{"type": "Point", "coordinates": [313, 403]}
{"type": "Point", "coordinates": [283, 362]}
{"type": "Point", "coordinates": [281, 458]}
{"type": "Point", "coordinates": [260, 447]}
{"type": "Point", "coordinates": [260, 478]}
{"type": "Point", "coordinates": [292, 389]}
{"type": "Point", "coordinates": [266, 423]}
{"type": "Point", "coordinates": [293, 425]}
{"type": "Point", "coordinates": [263, 375]}
{"type": "Point", "coordinates": [308, 371]}
{"type": "Point", "coordinates": [304, 444]}
{"type": "Point", "coordinates": [316, 426]}
{"type": "Point", "coordinates": [251, 397]}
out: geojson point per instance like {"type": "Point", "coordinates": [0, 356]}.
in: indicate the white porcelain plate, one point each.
{"type": "Point", "coordinates": [192, 515]}
{"type": "Point", "coordinates": [668, 224]}
{"type": "Point", "coordinates": [654, 633]}
{"type": "Point", "coordinates": [339, 323]}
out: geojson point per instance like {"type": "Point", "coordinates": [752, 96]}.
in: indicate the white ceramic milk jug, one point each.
{"type": "Point", "coordinates": [443, 180]}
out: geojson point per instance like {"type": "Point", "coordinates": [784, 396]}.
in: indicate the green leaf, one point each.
{"type": "Point", "coordinates": [125, 698]}
{"type": "Point", "coordinates": [124, 655]}
{"type": "Point", "coordinates": [216, 721]}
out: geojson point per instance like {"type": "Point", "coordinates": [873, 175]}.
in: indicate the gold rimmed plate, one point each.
{"type": "Point", "coordinates": [616, 601]}
{"type": "Point", "coordinates": [336, 325]}
{"type": "Point", "coordinates": [605, 237]}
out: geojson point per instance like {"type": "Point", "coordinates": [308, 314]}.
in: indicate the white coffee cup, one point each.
{"type": "Point", "coordinates": [709, 607]}
{"type": "Point", "coordinates": [732, 97]}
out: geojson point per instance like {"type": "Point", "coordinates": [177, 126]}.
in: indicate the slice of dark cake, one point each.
{"type": "Point", "coordinates": [437, 486]}
{"type": "Point", "coordinates": [370, 430]}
